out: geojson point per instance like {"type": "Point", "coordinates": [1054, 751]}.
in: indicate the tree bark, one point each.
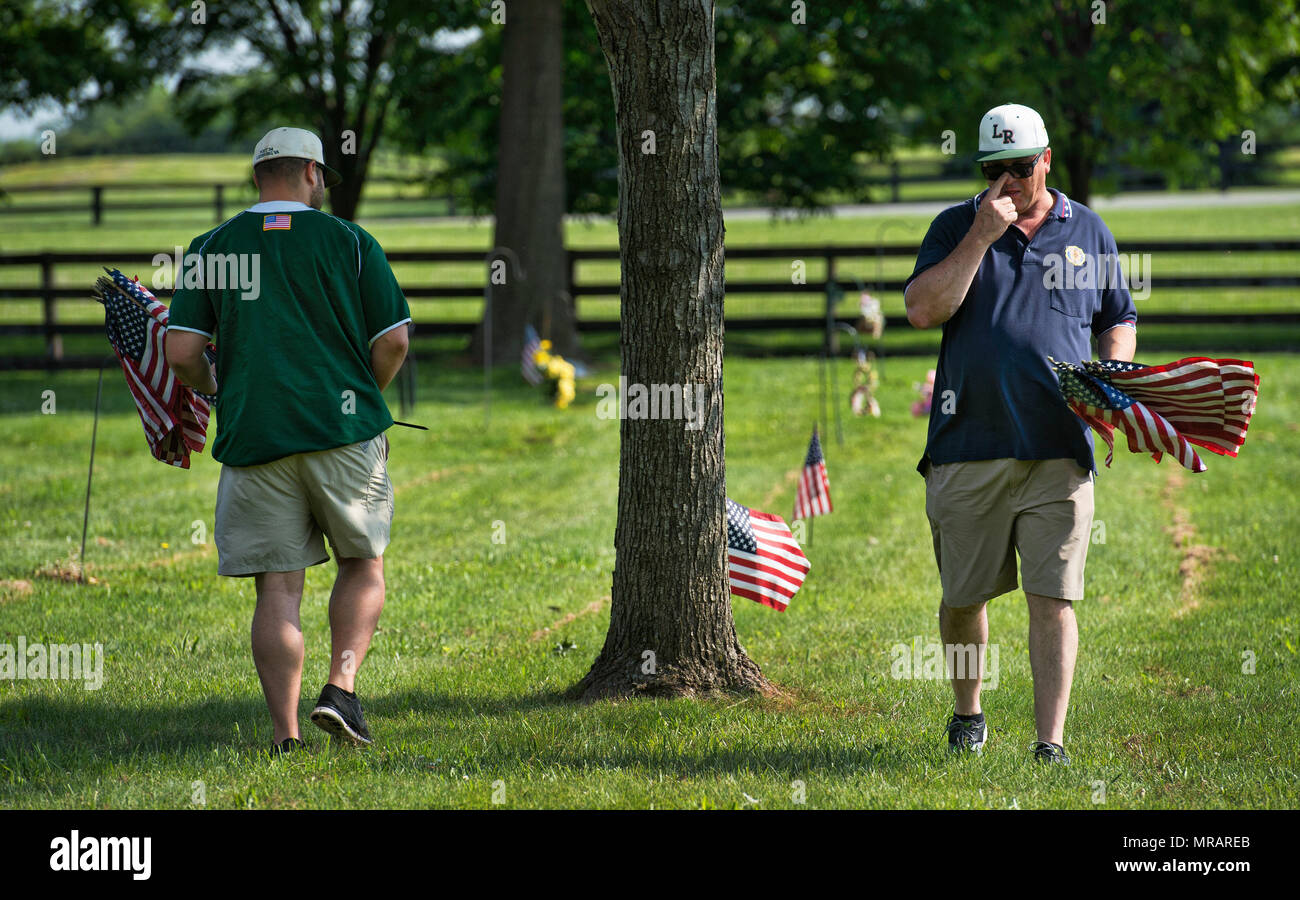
{"type": "Point", "coordinates": [530, 203]}
{"type": "Point", "coordinates": [671, 630]}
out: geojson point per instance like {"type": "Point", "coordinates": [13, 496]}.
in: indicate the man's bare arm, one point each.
{"type": "Point", "coordinates": [937, 293]}
{"type": "Point", "coordinates": [387, 355]}
{"type": "Point", "coordinates": [1119, 342]}
{"type": "Point", "coordinates": [185, 356]}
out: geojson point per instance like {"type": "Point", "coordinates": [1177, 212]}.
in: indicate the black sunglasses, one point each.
{"type": "Point", "coordinates": [993, 170]}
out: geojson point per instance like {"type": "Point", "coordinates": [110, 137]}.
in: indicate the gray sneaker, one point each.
{"type": "Point", "coordinates": [966, 735]}
{"type": "Point", "coordinates": [1049, 753]}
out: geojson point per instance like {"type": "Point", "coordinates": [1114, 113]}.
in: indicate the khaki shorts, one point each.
{"type": "Point", "coordinates": [982, 512]}
{"type": "Point", "coordinates": [274, 517]}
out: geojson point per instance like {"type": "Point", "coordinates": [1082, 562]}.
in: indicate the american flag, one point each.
{"type": "Point", "coordinates": [814, 495]}
{"type": "Point", "coordinates": [764, 563]}
{"type": "Point", "coordinates": [1165, 409]}
{"type": "Point", "coordinates": [277, 222]}
{"type": "Point", "coordinates": [528, 365]}
{"type": "Point", "coordinates": [174, 416]}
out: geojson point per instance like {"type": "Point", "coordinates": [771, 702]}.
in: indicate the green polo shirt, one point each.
{"type": "Point", "coordinates": [293, 298]}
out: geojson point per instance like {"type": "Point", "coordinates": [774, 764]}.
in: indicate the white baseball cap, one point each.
{"type": "Point", "coordinates": [1010, 131]}
{"type": "Point", "coordinates": [298, 143]}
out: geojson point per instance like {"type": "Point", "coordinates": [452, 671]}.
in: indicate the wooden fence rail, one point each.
{"type": "Point", "coordinates": [49, 293]}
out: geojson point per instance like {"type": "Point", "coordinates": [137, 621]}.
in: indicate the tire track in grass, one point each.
{"type": "Point", "coordinates": [435, 476]}
{"type": "Point", "coordinates": [594, 606]}
{"type": "Point", "coordinates": [1196, 559]}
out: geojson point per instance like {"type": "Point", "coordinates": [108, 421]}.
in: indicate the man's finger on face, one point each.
{"type": "Point", "coordinates": [996, 191]}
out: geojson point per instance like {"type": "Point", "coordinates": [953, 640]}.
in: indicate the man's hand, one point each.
{"type": "Point", "coordinates": [995, 214]}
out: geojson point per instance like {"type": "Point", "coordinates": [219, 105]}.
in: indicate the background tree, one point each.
{"type": "Point", "coordinates": [77, 52]}
{"type": "Point", "coordinates": [530, 200]}
{"type": "Point", "coordinates": [329, 66]}
{"type": "Point", "coordinates": [671, 629]}
{"type": "Point", "coordinates": [1155, 84]}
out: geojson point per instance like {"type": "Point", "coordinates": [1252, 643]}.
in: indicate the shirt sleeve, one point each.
{"type": "Point", "coordinates": [946, 232]}
{"type": "Point", "coordinates": [381, 297]}
{"type": "Point", "coordinates": [191, 308]}
{"type": "Point", "coordinates": [1117, 306]}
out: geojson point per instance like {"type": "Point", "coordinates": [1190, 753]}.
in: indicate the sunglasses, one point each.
{"type": "Point", "coordinates": [993, 170]}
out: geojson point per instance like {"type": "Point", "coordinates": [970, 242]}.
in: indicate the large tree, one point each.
{"type": "Point", "coordinates": [530, 201]}
{"type": "Point", "coordinates": [671, 630]}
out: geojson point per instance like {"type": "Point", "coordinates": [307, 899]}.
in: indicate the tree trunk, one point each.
{"type": "Point", "coordinates": [671, 630]}
{"type": "Point", "coordinates": [346, 197]}
{"type": "Point", "coordinates": [530, 203]}
{"type": "Point", "coordinates": [1079, 168]}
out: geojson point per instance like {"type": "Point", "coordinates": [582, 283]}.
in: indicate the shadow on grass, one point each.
{"type": "Point", "coordinates": [45, 740]}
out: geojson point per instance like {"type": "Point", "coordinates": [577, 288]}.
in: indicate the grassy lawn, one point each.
{"type": "Point", "coordinates": [479, 638]}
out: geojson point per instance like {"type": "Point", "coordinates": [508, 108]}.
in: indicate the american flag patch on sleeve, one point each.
{"type": "Point", "coordinates": [276, 222]}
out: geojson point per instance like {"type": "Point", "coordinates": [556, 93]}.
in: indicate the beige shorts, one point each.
{"type": "Point", "coordinates": [274, 517]}
{"type": "Point", "coordinates": [982, 513]}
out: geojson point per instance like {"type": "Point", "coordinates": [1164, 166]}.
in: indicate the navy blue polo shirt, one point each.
{"type": "Point", "coordinates": [1030, 299]}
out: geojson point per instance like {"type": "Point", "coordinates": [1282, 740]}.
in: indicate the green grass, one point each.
{"type": "Point", "coordinates": [461, 696]}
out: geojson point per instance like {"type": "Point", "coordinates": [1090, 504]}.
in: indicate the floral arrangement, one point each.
{"type": "Point", "coordinates": [558, 371]}
{"type": "Point", "coordinates": [865, 381]}
{"type": "Point", "coordinates": [926, 394]}
{"type": "Point", "coordinates": [873, 318]}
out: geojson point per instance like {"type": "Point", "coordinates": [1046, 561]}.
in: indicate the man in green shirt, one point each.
{"type": "Point", "coordinates": [310, 327]}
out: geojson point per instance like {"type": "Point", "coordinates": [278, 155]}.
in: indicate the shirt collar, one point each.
{"type": "Point", "coordinates": [1061, 208]}
{"type": "Point", "coordinates": [275, 206]}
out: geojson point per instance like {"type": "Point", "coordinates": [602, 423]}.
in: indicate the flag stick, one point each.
{"type": "Point", "coordinates": [94, 433]}
{"type": "Point", "coordinates": [487, 353]}
{"type": "Point", "coordinates": [835, 404]}
{"type": "Point", "coordinates": [822, 380]}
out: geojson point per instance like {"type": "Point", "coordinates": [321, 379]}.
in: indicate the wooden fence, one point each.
{"type": "Point", "coordinates": [53, 330]}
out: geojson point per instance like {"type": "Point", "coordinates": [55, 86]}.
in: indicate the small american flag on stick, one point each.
{"type": "Point", "coordinates": [1165, 409]}
{"type": "Point", "coordinates": [527, 364]}
{"type": "Point", "coordinates": [813, 497]}
{"type": "Point", "coordinates": [764, 562]}
{"type": "Point", "coordinates": [175, 417]}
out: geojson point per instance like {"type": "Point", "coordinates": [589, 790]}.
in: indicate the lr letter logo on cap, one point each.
{"type": "Point", "coordinates": [1007, 136]}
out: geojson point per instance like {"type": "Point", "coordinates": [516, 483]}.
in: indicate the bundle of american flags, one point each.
{"type": "Point", "coordinates": [813, 497]}
{"type": "Point", "coordinates": [764, 562]}
{"type": "Point", "coordinates": [1165, 409]}
{"type": "Point", "coordinates": [175, 417]}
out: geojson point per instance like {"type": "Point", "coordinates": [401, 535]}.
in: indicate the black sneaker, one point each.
{"type": "Point", "coordinates": [966, 734]}
{"type": "Point", "coordinates": [1049, 753]}
{"type": "Point", "coordinates": [339, 713]}
{"type": "Point", "coordinates": [286, 746]}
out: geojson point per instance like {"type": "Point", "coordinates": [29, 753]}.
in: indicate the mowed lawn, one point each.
{"type": "Point", "coordinates": [1185, 694]}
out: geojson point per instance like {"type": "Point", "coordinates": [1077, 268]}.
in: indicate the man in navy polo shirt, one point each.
{"type": "Point", "coordinates": [1013, 276]}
